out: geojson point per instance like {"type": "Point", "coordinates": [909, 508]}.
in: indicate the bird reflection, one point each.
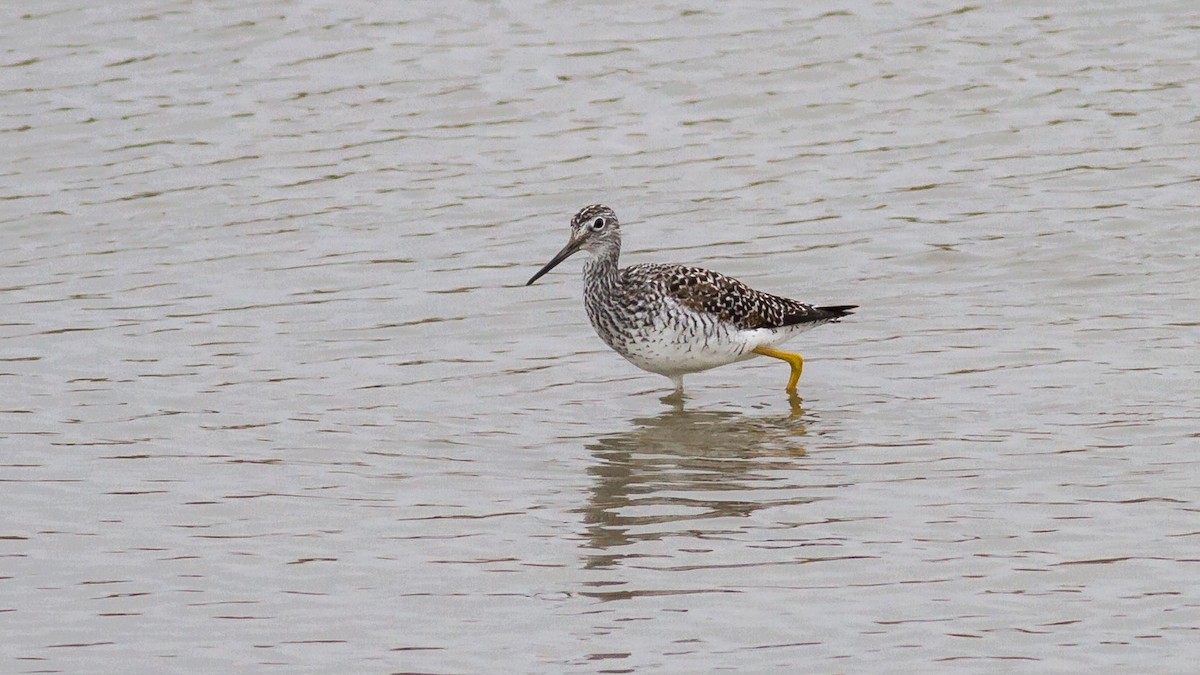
{"type": "Point", "coordinates": [685, 466]}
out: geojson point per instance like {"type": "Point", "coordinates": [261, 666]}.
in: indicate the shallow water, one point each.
{"type": "Point", "coordinates": [275, 396]}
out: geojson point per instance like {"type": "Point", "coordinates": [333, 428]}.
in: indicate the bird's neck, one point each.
{"type": "Point", "coordinates": [600, 271]}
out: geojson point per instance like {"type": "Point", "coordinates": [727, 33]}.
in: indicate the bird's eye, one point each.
{"type": "Point", "coordinates": [597, 224]}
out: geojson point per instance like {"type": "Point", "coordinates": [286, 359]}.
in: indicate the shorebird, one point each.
{"type": "Point", "coordinates": [674, 320]}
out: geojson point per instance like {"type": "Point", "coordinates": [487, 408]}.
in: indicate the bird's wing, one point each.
{"type": "Point", "coordinates": [726, 298]}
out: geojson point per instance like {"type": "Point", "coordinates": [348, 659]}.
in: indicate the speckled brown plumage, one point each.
{"type": "Point", "coordinates": [675, 319]}
{"type": "Point", "coordinates": [734, 302]}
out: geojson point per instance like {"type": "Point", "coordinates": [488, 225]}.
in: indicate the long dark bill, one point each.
{"type": "Point", "coordinates": [569, 250]}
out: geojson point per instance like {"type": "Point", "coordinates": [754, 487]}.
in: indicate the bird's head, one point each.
{"type": "Point", "coordinates": [594, 229]}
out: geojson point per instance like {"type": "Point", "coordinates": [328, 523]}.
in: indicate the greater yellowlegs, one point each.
{"type": "Point", "coordinates": [674, 320]}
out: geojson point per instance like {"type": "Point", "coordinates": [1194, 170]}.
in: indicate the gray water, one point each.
{"type": "Point", "coordinates": [275, 397]}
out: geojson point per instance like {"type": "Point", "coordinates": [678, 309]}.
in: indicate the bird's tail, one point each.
{"type": "Point", "coordinates": [838, 311]}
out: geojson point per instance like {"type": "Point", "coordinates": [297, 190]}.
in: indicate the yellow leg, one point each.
{"type": "Point", "coordinates": [795, 360]}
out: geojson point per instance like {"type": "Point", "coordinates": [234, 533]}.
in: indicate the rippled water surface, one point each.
{"type": "Point", "coordinates": [275, 397]}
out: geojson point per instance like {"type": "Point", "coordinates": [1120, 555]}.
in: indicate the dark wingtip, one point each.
{"type": "Point", "coordinates": [817, 315]}
{"type": "Point", "coordinates": [838, 311]}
